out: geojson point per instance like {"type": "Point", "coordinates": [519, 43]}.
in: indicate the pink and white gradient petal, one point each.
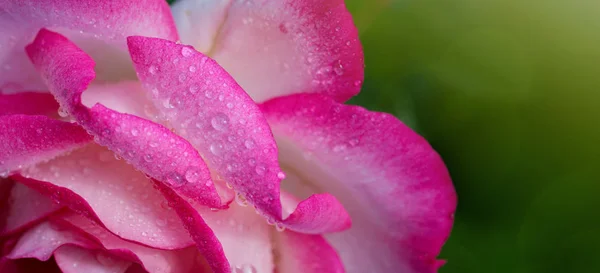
{"type": "Point", "coordinates": [208, 108]}
{"type": "Point", "coordinates": [122, 199]}
{"type": "Point", "coordinates": [73, 259]}
{"type": "Point", "coordinates": [394, 185]}
{"type": "Point", "coordinates": [100, 26]}
{"type": "Point", "coordinates": [26, 140]}
{"type": "Point", "coordinates": [150, 147]}
{"type": "Point", "coordinates": [278, 47]}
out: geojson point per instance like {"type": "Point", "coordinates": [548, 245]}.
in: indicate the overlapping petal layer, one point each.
{"type": "Point", "coordinates": [394, 185]}
{"type": "Point", "coordinates": [207, 107]}
{"type": "Point", "coordinates": [150, 147]}
{"type": "Point", "coordinates": [100, 26]}
{"type": "Point", "coordinates": [26, 140]}
{"type": "Point", "coordinates": [275, 48]}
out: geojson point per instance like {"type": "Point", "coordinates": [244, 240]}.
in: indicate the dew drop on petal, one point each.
{"type": "Point", "coordinates": [220, 122]}
{"type": "Point", "coordinates": [186, 52]}
{"type": "Point", "coordinates": [249, 143]}
{"type": "Point", "coordinates": [281, 175]}
{"type": "Point", "coordinates": [245, 268]}
{"type": "Point", "coordinates": [192, 175]}
{"type": "Point", "coordinates": [241, 200]}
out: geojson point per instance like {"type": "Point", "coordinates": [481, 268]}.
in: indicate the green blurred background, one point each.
{"type": "Point", "coordinates": [507, 92]}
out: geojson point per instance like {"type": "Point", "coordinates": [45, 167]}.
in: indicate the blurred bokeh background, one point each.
{"type": "Point", "coordinates": [508, 92]}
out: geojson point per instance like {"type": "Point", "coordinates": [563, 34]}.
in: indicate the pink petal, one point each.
{"type": "Point", "coordinates": [274, 48]}
{"type": "Point", "coordinates": [22, 208]}
{"type": "Point", "coordinates": [100, 26]}
{"type": "Point", "coordinates": [303, 253]}
{"type": "Point", "coordinates": [207, 243]}
{"type": "Point", "coordinates": [153, 260]}
{"type": "Point", "coordinates": [207, 107]}
{"type": "Point", "coordinates": [28, 103]}
{"type": "Point", "coordinates": [26, 140]}
{"type": "Point", "coordinates": [150, 147]}
{"type": "Point", "coordinates": [73, 259]}
{"type": "Point", "coordinates": [245, 237]}
{"type": "Point", "coordinates": [394, 185]}
{"type": "Point", "coordinates": [41, 241]}
{"type": "Point", "coordinates": [122, 199]}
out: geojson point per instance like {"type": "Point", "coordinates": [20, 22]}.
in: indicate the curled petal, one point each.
{"type": "Point", "coordinates": [278, 47]}
{"type": "Point", "coordinates": [23, 207]}
{"type": "Point", "coordinates": [150, 147]}
{"type": "Point", "coordinates": [207, 107]}
{"type": "Point", "coordinates": [99, 26]}
{"type": "Point", "coordinates": [394, 185]}
{"type": "Point", "coordinates": [123, 200]}
{"type": "Point", "coordinates": [206, 241]}
{"type": "Point", "coordinates": [26, 140]}
{"type": "Point", "coordinates": [28, 103]}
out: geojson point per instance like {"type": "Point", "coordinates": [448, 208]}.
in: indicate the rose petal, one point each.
{"type": "Point", "coordinates": [73, 259]}
{"type": "Point", "coordinates": [28, 103]}
{"type": "Point", "coordinates": [100, 26]}
{"type": "Point", "coordinates": [122, 199]}
{"type": "Point", "coordinates": [206, 106]}
{"type": "Point", "coordinates": [275, 48]}
{"type": "Point", "coordinates": [153, 260]}
{"type": "Point", "coordinates": [26, 140]}
{"type": "Point", "coordinates": [245, 237]}
{"type": "Point", "coordinates": [23, 208]}
{"type": "Point", "coordinates": [394, 185]}
{"type": "Point", "coordinates": [206, 241]}
{"type": "Point", "coordinates": [150, 147]}
{"type": "Point", "coordinates": [303, 253]}
{"type": "Point", "coordinates": [41, 241]}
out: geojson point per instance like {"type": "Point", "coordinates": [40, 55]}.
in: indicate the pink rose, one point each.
{"type": "Point", "coordinates": [194, 135]}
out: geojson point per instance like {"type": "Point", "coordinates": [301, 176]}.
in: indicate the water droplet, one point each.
{"type": "Point", "coordinates": [216, 148]}
{"type": "Point", "coordinates": [245, 268]}
{"type": "Point", "coordinates": [209, 94]}
{"type": "Point", "coordinates": [194, 89]}
{"type": "Point", "coordinates": [281, 175]}
{"type": "Point", "coordinates": [348, 43]}
{"type": "Point", "coordinates": [192, 68]}
{"type": "Point", "coordinates": [220, 122]}
{"type": "Point", "coordinates": [62, 112]}
{"type": "Point", "coordinates": [148, 157]}
{"type": "Point", "coordinates": [161, 222]}
{"type": "Point", "coordinates": [152, 69]}
{"type": "Point", "coordinates": [229, 105]}
{"type": "Point", "coordinates": [249, 143]}
{"type": "Point", "coordinates": [241, 200]}
{"type": "Point", "coordinates": [144, 234]}
{"type": "Point", "coordinates": [167, 103]}
{"type": "Point", "coordinates": [186, 51]}
{"type": "Point", "coordinates": [105, 259]}
{"type": "Point", "coordinates": [175, 179]}
{"type": "Point", "coordinates": [134, 132]}
{"type": "Point", "coordinates": [252, 161]}
{"type": "Point", "coordinates": [153, 144]}
{"type": "Point", "coordinates": [338, 68]}
{"type": "Point", "coordinates": [279, 227]}
{"type": "Point", "coordinates": [357, 82]}
{"type": "Point", "coordinates": [339, 148]}
{"type": "Point", "coordinates": [182, 77]}
{"type": "Point", "coordinates": [337, 28]}
{"type": "Point", "coordinates": [117, 157]}
{"type": "Point", "coordinates": [260, 169]}
{"type": "Point", "coordinates": [192, 175]}
{"type": "Point", "coordinates": [353, 142]}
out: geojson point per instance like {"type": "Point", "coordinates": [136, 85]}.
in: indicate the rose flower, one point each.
{"type": "Point", "coordinates": [207, 138]}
